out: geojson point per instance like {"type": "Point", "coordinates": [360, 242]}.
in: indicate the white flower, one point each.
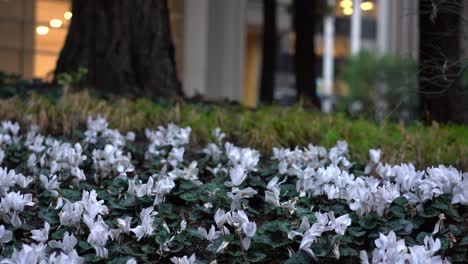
{"type": "Point", "coordinates": [222, 247]}
{"type": "Point", "coordinates": [249, 228]}
{"type": "Point", "coordinates": [237, 175]}
{"type": "Point", "coordinates": [92, 207]}
{"type": "Point", "coordinates": [375, 155]}
{"type": "Point", "coordinates": [71, 213]}
{"type": "Point", "coordinates": [98, 236]}
{"type": "Point", "coordinates": [211, 235]}
{"type": "Point", "coordinates": [184, 260]}
{"type": "Point", "coordinates": [339, 224]}
{"type": "Point", "coordinates": [67, 244]}
{"type": "Point", "coordinates": [218, 135]}
{"type": "Point", "coordinates": [389, 249]}
{"type": "Point", "coordinates": [5, 235]}
{"type": "Point", "coordinates": [41, 235]}
{"type": "Point", "coordinates": [176, 156]}
{"type": "Point", "coordinates": [71, 258]}
{"type": "Point", "coordinates": [147, 227]}
{"type": "Point", "coordinates": [51, 185]}
{"type": "Point", "coordinates": [213, 151]}
{"type": "Point", "coordinates": [239, 218]}
{"type": "Point", "coordinates": [460, 191]}
{"type": "Point", "coordinates": [34, 253]}
{"type": "Point", "coordinates": [124, 224]}
{"type": "Point", "coordinates": [222, 217]}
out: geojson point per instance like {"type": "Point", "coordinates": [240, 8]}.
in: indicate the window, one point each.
{"type": "Point", "coordinates": [33, 33]}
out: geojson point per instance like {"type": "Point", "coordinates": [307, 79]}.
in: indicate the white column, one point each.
{"type": "Point", "coordinates": [328, 63]}
{"type": "Point", "coordinates": [214, 48]}
{"type": "Point", "coordinates": [226, 42]}
{"type": "Point", "coordinates": [382, 26]}
{"type": "Point", "coordinates": [356, 23]}
{"type": "Point", "coordinates": [195, 47]}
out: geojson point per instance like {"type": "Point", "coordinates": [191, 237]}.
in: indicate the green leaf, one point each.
{"type": "Point", "coordinates": [148, 249]}
{"type": "Point", "coordinates": [397, 211]}
{"type": "Point", "coordinates": [368, 221]}
{"type": "Point", "coordinates": [463, 241]}
{"type": "Point", "coordinates": [58, 235]}
{"type": "Point", "coordinates": [347, 251]}
{"type": "Point", "coordinates": [299, 258]}
{"type": "Point", "coordinates": [420, 237]}
{"type": "Point", "coordinates": [84, 245]}
{"type": "Point", "coordinates": [356, 231]}
{"type": "Point", "coordinates": [91, 258]}
{"type": "Point", "coordinates": [401, 201]}
{"type": "Point", "coordinates": [189, 197]}
{"type": "Point", "coordinates": [256, 256]}
{"type": "Point", "coordinates": [70, 194]}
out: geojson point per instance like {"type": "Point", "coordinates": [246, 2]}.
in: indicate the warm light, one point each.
{"type": "Point", "coordinates": [55, 23]}
{"type": "Point", "coordinates": [366, 6]}
{"type": "Point", "coordinates": [346, 3]}
{"type": "Point", "coordinates": [42, 30]}
{"type": "Point", "coordinates": [348, 11]}
{"type": "Point", "coordinates": [67, 15]}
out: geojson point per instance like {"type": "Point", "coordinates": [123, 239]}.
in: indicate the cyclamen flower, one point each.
{"type": "Point", "coordinates": [147, 227]}
{"type": "Point", "coordinates": [249, 228]}
{"type": "Point", "coordinates": [374, 160]}
{"type": "Point", "coordinates": [210, 235]}
{"type": "Point", "coordinates": [325, 222]}
{"type": "Point", "coordinates": [13, 204]}
{"type": "Point", "coordinates": [71, 258]}
{"type": "Point", "coordinates": [222, 217]}
{"type": "Point", "coordinates": [92, 207]}
{"type": "Point", "coordinates": [67, 244]}
{"type": "Point", "coordinates": [236, 195]}
{"type": "Point", "coordinates": [5, 235]}
{"type": "Point", "coordinates": [34, 253]}
{"type": "Point", "coordinates": [52, 185]}
{"type": "Point", "coordinates": [71, 213]}
{"type": "Point", "coordinates": [460, 191]}
{"type": "Point", "coordinates": [41, 235]}
{"type": "Point", "coordinates": [389, 249]}
{"type": "Point", "coordinates": [213, 151]}
{"type": "Point", "coordinates": [176, 155]}
{"type": "Point", "coordinates": [237, 175]}
{"type": "Point", "coordinates": [425, 253]}
{"type": "Point", "coordinates": [124, 224]}
{"type": "Point", "coordinates": [184, 260]}
{"type": "Point", "coordinates": [98, 236]}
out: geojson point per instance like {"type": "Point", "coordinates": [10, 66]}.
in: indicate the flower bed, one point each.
{"type": "Point", "coordinates": [126, 198]}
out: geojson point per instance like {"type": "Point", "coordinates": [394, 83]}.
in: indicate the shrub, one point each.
{"type": "Point", "coordinates": [381, 87]}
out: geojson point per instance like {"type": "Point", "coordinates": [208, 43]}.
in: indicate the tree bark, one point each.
{"type": "Point", "coordinates": [440, 70]}
{"type": "Point", "coordinates": [269, 52]}
{"type": "Point", "coordinates": [305, 12]}
{"type": "Point", "coordinates": [125, 45]}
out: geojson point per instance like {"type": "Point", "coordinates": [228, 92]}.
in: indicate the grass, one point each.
{"type": "Point", "coordinates": [262, 128]}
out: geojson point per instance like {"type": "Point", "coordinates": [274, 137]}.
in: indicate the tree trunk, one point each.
{"type": "Point", "coordinates": [269, 52]}
{"type": "Point", "coordinates": [125, 45]}
{"type": "Point", "coordinates": [305, 12]}
{"type": "Point", "coordinates": [441, 95]}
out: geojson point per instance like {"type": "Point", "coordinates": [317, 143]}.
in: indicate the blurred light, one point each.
{"type": "Point", "coordinates": [366, 6]}
{"type": "Point", "coordinates": [55, 23]}
{"type": "Point", "coordinates": [67, 15]}
{"type": "Point", "coordinates": [42, 30]}
{"type": "Point", "coordinates": [346, 3]}
{"type": "Point", "coordinates": [348, 11]}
